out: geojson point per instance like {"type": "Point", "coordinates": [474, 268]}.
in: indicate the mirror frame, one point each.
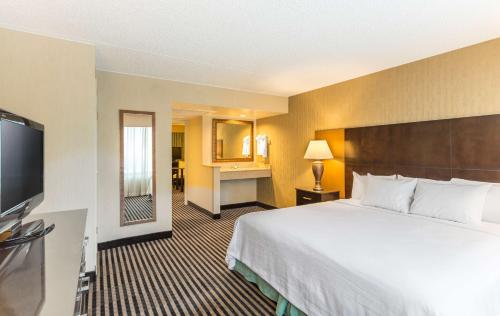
{"type": "Point", "coordinates": [122, 167]}
{"type": "Point", "coordinates": [214, 141]}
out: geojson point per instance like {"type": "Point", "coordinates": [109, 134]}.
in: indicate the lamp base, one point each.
{"type": "Point", "coordinates": [317, 168]}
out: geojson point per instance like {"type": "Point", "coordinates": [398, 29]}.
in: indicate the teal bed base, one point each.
{"type": "Point", "coordinates": [283, 307]}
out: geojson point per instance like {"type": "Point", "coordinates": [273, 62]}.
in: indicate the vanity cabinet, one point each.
{"type": "Point", "coordinates": [245, 173]}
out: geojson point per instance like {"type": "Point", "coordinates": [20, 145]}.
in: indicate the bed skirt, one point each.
{"type": "Point", "coordinates": [283, 307]}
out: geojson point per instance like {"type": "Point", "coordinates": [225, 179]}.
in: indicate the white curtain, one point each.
{"type": "Point", "coordinates": [138, 161]}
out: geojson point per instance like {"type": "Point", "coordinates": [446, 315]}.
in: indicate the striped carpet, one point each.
{"type": "Point", "coordinates": [138, 208]}
{"type": "Point", "coordinates": [184, 275]}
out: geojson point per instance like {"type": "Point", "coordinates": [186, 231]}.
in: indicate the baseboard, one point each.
{"type": "Point", "coordinates": [247, 204]}
{"type": "Point", "coordinates": [91, 275]}
{"type": "Point", "coordinates": [203, 210]}
{"type": "Point", "coordinates": [238, 205]}
{"type": "Point", "coordinates": [133, 240]}
{"type": "Point", "coordinates": [265, 206]}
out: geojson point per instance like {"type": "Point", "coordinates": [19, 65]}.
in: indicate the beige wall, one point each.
{"type": "Point", "coordinates": [118, 91]}
{"type": "Point", "coordinates": [52, 81]}
{"type": "Point", "coordinates": [465, 82]}
{"type": "Point", "coordinates": [199, 186]}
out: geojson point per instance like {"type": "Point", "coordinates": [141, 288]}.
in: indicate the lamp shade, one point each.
{"type": "Point", "coordinates": [318, 150]}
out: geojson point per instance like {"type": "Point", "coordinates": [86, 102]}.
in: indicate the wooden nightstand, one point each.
{"type": "Point", "coordinates": [309, 196]}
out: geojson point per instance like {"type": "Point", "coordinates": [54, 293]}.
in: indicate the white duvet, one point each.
{"type": "Point", "coordinates": [341, 258]}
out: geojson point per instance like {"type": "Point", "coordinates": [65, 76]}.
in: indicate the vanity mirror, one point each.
{"type": "Point", "coordinates": [232, 140]}
{"type": "Point", "coordinates": [137, 167]}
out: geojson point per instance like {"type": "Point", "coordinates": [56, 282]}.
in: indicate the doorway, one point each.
{"type": "Point", "coordinates": [178, 157]}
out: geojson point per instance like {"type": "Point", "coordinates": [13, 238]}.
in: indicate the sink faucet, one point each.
{"type": "Point", "coordinates": [235, 167]}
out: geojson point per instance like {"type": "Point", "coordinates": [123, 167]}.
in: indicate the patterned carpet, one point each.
{"type": "Point", "coordinates": [184, 275]}
{"type": "Point", "coordinates": [138, 208]}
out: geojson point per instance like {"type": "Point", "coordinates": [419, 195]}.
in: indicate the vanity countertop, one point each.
{"type": "Point", "coordinates": [63, 253]}
{"type": "Point", "coordinates": [250, 172]}
{"type": "Point", "coordinates": [228, 172]}
{"type": "Point", "coordinates": [244, 168]}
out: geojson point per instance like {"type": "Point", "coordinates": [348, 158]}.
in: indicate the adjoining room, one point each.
{"type": "Point", "coordinates": [221, 157]}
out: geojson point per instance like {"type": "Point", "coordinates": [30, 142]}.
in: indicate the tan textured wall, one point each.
{"type": "Point", "coordinates": [465, 82]}
{"type": "Point", "coordinates": [334, 174]}
{"type": "Point", "coordinates": [52, 81]}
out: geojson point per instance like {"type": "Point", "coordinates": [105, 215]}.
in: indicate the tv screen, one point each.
{"type": "Point", "coordinates": [176, 153]}
{"type": "Point", "coordinates": [21, 163]}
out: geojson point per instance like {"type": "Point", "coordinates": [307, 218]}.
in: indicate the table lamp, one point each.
{"type": "Point", "coordinates": [318, 150]}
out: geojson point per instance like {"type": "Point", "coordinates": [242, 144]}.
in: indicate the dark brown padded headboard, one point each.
{"type": "Point", "coordinates": [466, 148]}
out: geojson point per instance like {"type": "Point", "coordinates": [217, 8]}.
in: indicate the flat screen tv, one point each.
{"type": "Point", "coordinates": [21, 166]}
{"type": "Point", "coordinates": [176, 153]}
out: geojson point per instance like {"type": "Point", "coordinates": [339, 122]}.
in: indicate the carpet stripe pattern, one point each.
{"type": "Point", "coordinates": [138, 208]}
{"type": "Point", "coordinates": [184, 275]}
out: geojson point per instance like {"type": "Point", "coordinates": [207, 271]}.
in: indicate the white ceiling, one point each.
{"type": "Point", "coordinates": [279, 47]}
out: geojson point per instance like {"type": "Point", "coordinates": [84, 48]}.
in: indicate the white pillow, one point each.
{"type": "Point", "coordinates": [359, 184]}
{"type": "Point", "coordinates": [491, 210]}
{"type": "Point", "coordinates": [454, 202]}
{"type": "Point", "coordinates": [400, 177]}
{"type": "Point", "coordinates": [394, 195]}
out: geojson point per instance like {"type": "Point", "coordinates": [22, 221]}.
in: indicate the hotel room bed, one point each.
{"type": "Point", "coordinates": [342, 258]}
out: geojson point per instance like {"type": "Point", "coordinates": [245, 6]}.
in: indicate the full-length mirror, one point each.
{"type": "Point", "coordinates": [232, 140]}
{"type": "Point", "coordinates": [137, 167]}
